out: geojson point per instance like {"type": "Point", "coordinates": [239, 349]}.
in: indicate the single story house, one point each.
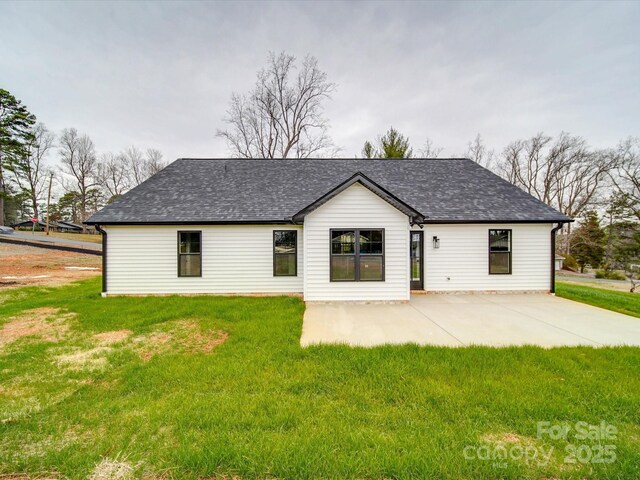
{"type": "Point", "coordinates": [328, 229]}
{"type": "Point", "coordinates": [70, 227]}
{"type": "Point", "coordinates": [59, 226]}
{"type": "Point", "coordinates": [559, 262]}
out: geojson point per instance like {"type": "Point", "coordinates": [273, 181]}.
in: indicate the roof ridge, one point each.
{"type": "Point", "coordinates": [324, 159]}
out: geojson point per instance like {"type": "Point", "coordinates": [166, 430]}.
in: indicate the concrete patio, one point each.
{"type": "Point", "coordinates": [461, 320]}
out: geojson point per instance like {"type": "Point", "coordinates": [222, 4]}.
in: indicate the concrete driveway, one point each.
{"type": "Point", "coordinates": [460, 320]}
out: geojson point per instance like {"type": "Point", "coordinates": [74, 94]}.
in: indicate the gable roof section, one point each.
{"type": "Point", "coordinates": [227, 191]}
{"type": "Point", "coordinates": [359, 178]}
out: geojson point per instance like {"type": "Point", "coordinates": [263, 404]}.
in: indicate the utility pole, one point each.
{"type": "Point", "coordinates": [49, 202]}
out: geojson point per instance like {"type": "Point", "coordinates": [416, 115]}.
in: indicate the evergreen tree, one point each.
{"type": "Point", "coordinates": [15, 133]}
{"type": "Point", "coordinates": [391, 145]}
{"type": "Point", "coordinates": [623, 237]}
{"type": "Point", "coordinates": [589, 242]}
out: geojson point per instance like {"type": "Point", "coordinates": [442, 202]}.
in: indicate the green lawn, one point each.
{"type": "Point", "coordinates": [623, 302]}
{"type": "Point", "coordinates": [173, 399]}
{"type": "Point", "coordinates": [81, 237]}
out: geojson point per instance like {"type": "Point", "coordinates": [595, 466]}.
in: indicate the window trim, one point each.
{"type": "Point", "coordinates": [273, 246]}
{"type": "Point", "coordinates": [199, 232]}
{"type": "Point", "coordinates": [510, 252]}
{"type": "Point", "coordinates": [356, 255]}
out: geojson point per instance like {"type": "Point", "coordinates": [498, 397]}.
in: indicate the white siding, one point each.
{"type": "Point", "coordinates": [462, 261]}
{"type": "Point", "coordinates": [235, 259]}
{"type": "Point", "coordinates": [239, 258]}
{"type": "Point", "coordinates": [356, 207]}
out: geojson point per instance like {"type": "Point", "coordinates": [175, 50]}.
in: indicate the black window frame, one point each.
{"type": "Point", "coordinates": [180, 275]}
{"type": "Point", "coordinates": [510, 252]}
{"type": "Point", "coordinates": [356, 254]}
{"type": "Point", "coordinates": [295, 255]}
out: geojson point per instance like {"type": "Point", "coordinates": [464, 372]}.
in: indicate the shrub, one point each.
{"type": "Point", "coordinates": [610, 275]}
{"type": "Point", "coordinates": [570, 262]}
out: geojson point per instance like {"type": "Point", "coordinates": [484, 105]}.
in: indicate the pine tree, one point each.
{"type": "Point", "coordinates": [589, 242]}
{"type": "Point", "coordinates": [15, 133]}
{"type": "Point", "coordinates": [391, 145]}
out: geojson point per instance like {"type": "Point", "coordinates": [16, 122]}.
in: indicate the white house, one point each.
{"type": "Point", "coordinates": [327, 229]}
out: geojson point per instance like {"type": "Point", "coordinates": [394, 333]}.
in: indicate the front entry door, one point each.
{"type": "Point", "coordinates": [417, 261]}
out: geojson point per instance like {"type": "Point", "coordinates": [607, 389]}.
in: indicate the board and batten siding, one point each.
{"type": "Point", "coordinates": [356, 207]}
{"type": "Point", "coordinates": [235, 259]}
{"type": "Point", "coordinates": [462, 261]}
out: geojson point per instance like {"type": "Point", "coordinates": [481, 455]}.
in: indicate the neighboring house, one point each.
{"type": "Point", "coordinates": [39, 224]}
{"type": "Point", "coordinates": [29, 223]}
{"type": "Point", "coordinates": [328, 229]}
{"type": "Point", "coordinates": [559, 262]}
{"type": "Point", "coordinates": [70, 227]}
{"type": "Point", "coordinates": [53, 226]}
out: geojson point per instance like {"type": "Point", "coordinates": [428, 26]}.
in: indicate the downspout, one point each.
{"type": "Point", "coordinates": [553, 257]}
{"type": "Point", "coordinates": [104, 259]}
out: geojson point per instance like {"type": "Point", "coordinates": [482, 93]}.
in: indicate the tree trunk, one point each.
{"type": "Point", "coordinates": [34, 205]}
{"type": "Point", "coordinates": [568, 243]}
{"type": "Point", "coordinates": [2, 194]}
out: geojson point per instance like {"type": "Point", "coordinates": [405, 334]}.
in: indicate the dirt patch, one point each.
{"type": "Point", "coordinates": [109, 338]}
{"type": "Point", "coordinates": [184, 336]}
{"type": "Point", "coordinates": [113, 469]}
{"type": "Point", "coordinates": [198, 341]}
{"type": "Point", "coordinates": [45, 323]}
{"type": "Point", "coordinates": [502, 438]}
{"type": "Point", "coordinates": [508, 438]}
{"type": "Point", "coordinates": [150, 345]}
{"type": "Point", "coordinates": [22, 265]}
{"type": "Point", "coordinates": [92, 359]}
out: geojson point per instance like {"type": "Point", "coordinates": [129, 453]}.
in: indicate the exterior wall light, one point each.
{"type": "Point", "coordinates": [436, 242]}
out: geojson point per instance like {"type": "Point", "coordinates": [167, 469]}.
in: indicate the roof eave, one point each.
{"type": "Point", "coordinates": [190, 222]}
{"type": "Point", "coordinates": [497, 220]}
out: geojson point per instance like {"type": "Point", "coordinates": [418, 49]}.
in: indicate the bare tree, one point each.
{"type": "Point", "coordinates": [154, 161]}
{"type": "Point", "coordinates": [112, 174]}
{"type": "Point", "coordinates": [134, 161]}
{"type": "Point", "coordinates": [579, 182]}
{"type": "Point", "coordinates": [429, 150]}
{"type": "Point", "coordinates": [30, 171]}
{"type": "Point", "coordinates": [479, 153]}
{"type": "Point", "coordinates": [78, 158]}
{"type": "Point", "coordinates": [282, 116]}
{"type": "Point", "coordinates": [626, 177]}
{"type": "Point", "coordinates": [140, 166]}
{"type": "Point", "coordinates": [523, 164]}
{"type": "Point", "coordinates": [564, 173]}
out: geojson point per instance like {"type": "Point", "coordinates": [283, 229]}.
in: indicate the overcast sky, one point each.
{"type": "Point", "coordinates": [160, 74]}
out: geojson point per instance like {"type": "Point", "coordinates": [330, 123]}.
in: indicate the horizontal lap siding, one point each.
{"type": "Point", "coordinates": [235, 259]}
{"type": "Point", "coordinates": [462, 261]}
{"type": "Point", "coordinates": [356, 207]}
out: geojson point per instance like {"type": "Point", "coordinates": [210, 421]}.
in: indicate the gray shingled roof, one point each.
{"type": "Point", "coordinates": [240, 190]}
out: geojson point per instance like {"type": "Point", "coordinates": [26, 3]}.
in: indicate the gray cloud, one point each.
{"type": "Point", "coordinates": [160, 74]}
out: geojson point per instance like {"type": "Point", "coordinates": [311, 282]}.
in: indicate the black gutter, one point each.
{"type": "Point", "coordinates": [289, 221]}
{"type": "Point", "coordinates": [494, 221]}
{"type": "Point", "coordinates": [104, 258]}
{"type": "Point", "coordinates": [197, 222]}
{"type": "Point", "coordinates": [553, 256]}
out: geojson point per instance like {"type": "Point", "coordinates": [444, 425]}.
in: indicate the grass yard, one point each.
{"type": "Point", "coordinates": [622, 302]}
{"type": "Point", "coordinates": [81, 237]}
{"type": "Point", "coordinates": [193, 387]}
